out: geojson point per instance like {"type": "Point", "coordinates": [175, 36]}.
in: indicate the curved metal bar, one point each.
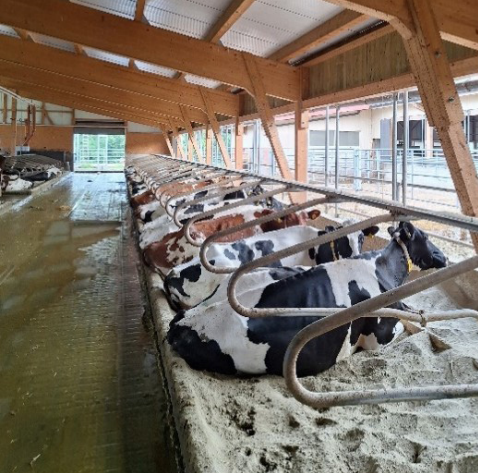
{"type": "Point", "coordinates": [210, 240]}
{"type": "Point", "coordinates": [271, 258]}
{"type": "Point", "coordinates": [199, 200]}
{"type": "Point", "coordinates": [350, 314]}
{"type": "Point", "coordinates": [232, 230]}
{"type": "Point", "coordinates": [213, 185]}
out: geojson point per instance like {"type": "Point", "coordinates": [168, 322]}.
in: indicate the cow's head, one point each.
{"type": "Point", "coordinates": [290, 220]}
{"type": "Point", "coordinates": [422, 251]}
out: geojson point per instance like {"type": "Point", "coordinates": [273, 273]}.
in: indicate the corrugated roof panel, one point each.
{"type": "Point", "coordinates": [192, 79]}
{"type": "Point", "coordinates": [267, 26]}
{"type": "Point", "coordinates": [191, 18]}
{"type": "Point", "coordinates": [6, 30]}
{"type": "Point", "coordinates": [124, 8]}
{"type": "Point", "coordinates": [53, 42]}
{"type": "Point", "coordinates": [337, 39]}
{"type": "Point", "coordinates": [153, 69]}
{"type": "Point", "coordinates": [108, 57]}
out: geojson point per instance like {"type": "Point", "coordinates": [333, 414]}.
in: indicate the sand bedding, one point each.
{"type": "Point", "coordinates": [227, 424]}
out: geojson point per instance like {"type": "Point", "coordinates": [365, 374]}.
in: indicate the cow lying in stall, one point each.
{"type": "Point", "coordinates": [14, 183]}
{"type": "Point", "coordinates": [189, 284]}
{"type": "Point", "coordinates": [174, 249]}
{"type": "Point", "coordinates": [216, 338]}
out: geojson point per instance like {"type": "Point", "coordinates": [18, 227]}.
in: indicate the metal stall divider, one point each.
{"type": "Point", "coordinates": [200, 200]}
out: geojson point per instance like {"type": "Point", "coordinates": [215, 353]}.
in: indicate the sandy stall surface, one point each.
{"type": "Point", "coordinates": [227, 424]}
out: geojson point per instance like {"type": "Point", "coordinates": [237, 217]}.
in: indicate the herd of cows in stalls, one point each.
{"type": "Point", "coordinates": [207, 332]}
{"type": "Point", "coordinates": [20, 173]}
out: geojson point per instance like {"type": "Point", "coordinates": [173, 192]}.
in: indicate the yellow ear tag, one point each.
{"type": "Point", "coordinates": [409, 265]}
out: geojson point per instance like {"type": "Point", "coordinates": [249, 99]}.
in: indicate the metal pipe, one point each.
{"type": "Point", "coordinates": [278, 255]}
{"type": "Point", "coordinates": [282, 213]}
{"type": "Point", "coordinates": [350, 314]}
{"type": "Point", "coordinates": [405, 147]}
{"type": "Point", "coordinates": [199, 200]}
{"type": "Point", "coordinates": [326, 144]}
{"type": "Point", "coordinates": [394, 147]}
{"type": "Point", "coordinates": [460, 221]}
{"type": "Point", "coordinates": [337, 144]}
{"type": "Point", "coordinates": [252, 199]}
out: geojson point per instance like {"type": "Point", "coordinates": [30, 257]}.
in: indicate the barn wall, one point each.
{"type": "Point", "coordinates": [46, 137]}
{"type": "Point", "coordinates": [360, 66]}
{"type": "Point", "coordinates": [144, 143]}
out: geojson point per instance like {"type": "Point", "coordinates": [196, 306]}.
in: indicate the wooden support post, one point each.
{"type": "Point", "coordinates": [432, 72]}
{"type": "Point", "coordinates": [190, 148]}
{"type": "Point", "coordinates": [5, 108]}
{"type": "Point", "coordinates": [192, 138]}
{"type": "Point", "coordinates": [266, 115]}
{"type": "Point", "coordinates": [208, 144]}
{"type": "Point", "coordinates": [165, 134]}
{"type": "Point", "coordinates": [301, 147]}
{"type": "Point", "coordinates": [215, 128]}
{"type": "Point", "coordinates": [13, 143]}
{"type": "Point", "coordinates": [179, 149]}
{"type": "Point", "coordinates": [239, 144]}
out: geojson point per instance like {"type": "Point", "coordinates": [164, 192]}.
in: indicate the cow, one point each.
{"type": "Point", "coordinates": [14, 183]}
{"type": "Point", "coordinates": [216, 338]}
{"type": "Point", "coordinates": [44, 175]}
{"type": "Point", "coordinates": [190, 284]}
{"type": "Point", "coordinates": [174, 249]}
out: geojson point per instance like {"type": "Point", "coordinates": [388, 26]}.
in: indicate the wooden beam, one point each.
{"type": "Point", "coordinates": [216, 129]}
{"type": "Point", "coordinates": [239, 144]}
{"type": "Point", "coordinates": [457, 21]}
{"type": "Point", "coordinates": [79, 50]}
{"type": "Point", "coordinates": [326, 31]}
{"type": "Point", "coordinates": [164, 132]}
{"type": "Point", "coordinates": [301, 127]}
{"type": "Point", "coordinates": [191, 136]}
{"type": "Point", "coordinates": [100, 92]}
{"type": "Point", "coordinates": [35, 92]}
{"type": "Point", "coordinates": [208, 144]}
{"type": "Point", "coordinates": [356, 42]}
{"type": "Point", "coordinates": [139, 11]}
{"type": "Point", "coordinates": [5, 107]}
{"type": "Point", "coordinates": [13, 142]}
{"type": "Point", "coordinates": [267, 117]}
{"type": "Point", "coordinates": [442, 104]}
{"type": "Point", "coordinates": [179, 148]}
{"type": "Point", "coordinates": [107, 32]}
{"type": "Point", "coordinates": [232, 13]}
{"type": "Point", "coordinates": [23, 34]}
{"type": "Point", "coordinates": [93, 70]}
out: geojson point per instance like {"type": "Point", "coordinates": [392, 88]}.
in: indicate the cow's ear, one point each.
{"type": "Point", "coordinates": [313, 214]}
{"type": "Point", "coordinates": [391, 230]}
{"type": "Point", "coordinates": [407, 229]}
{"type": "Point", "coordinates": [370, 231]}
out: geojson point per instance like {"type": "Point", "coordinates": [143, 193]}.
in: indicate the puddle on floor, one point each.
{"type": "Point", "coordinates": [80, 389]}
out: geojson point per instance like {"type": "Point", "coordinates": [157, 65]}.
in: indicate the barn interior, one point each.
{"type": "Point", "coordinates": [140, 137]}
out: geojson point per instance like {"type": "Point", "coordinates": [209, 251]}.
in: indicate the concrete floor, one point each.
{"type": "Point", "coordinates": [80, 388]}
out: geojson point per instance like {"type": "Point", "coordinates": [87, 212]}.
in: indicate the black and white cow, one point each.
{"type": "Point", "coordinates": [14, 183]}
{"type": "Point", "coordinates": [216, 338]}
{"type": "Point", "coordinates": [189, 284]}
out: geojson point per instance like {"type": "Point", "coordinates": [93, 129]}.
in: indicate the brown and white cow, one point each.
{"type": "Point", "coordinates": [174, 249]}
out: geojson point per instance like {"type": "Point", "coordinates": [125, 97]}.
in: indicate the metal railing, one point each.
{"type": "Point", "coordinates": [333, 318]}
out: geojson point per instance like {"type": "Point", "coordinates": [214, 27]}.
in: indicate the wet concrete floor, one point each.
{"type": "Point", "coordinates": [80, 387]}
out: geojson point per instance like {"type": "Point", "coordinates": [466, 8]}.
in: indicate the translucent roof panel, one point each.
{"type": "Point", "coordinates": [212, 84]}
{"type": "Point", "coordinates": [53, 42]}
{"type": "Point", "coordinates": [153, 69]}
{"type": "Point", "coordinates": [6, 30]}
{"type": "Point", "coordinates": [108, 57]}
{"type": "Point", "coordinates": [267, 26]}
{"type": "Point", "coordinates": [338, 38]}
{"type": "Point", "coordinates": [124, 8]}
{"type": "Point", "coordinates": [188, 17]}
